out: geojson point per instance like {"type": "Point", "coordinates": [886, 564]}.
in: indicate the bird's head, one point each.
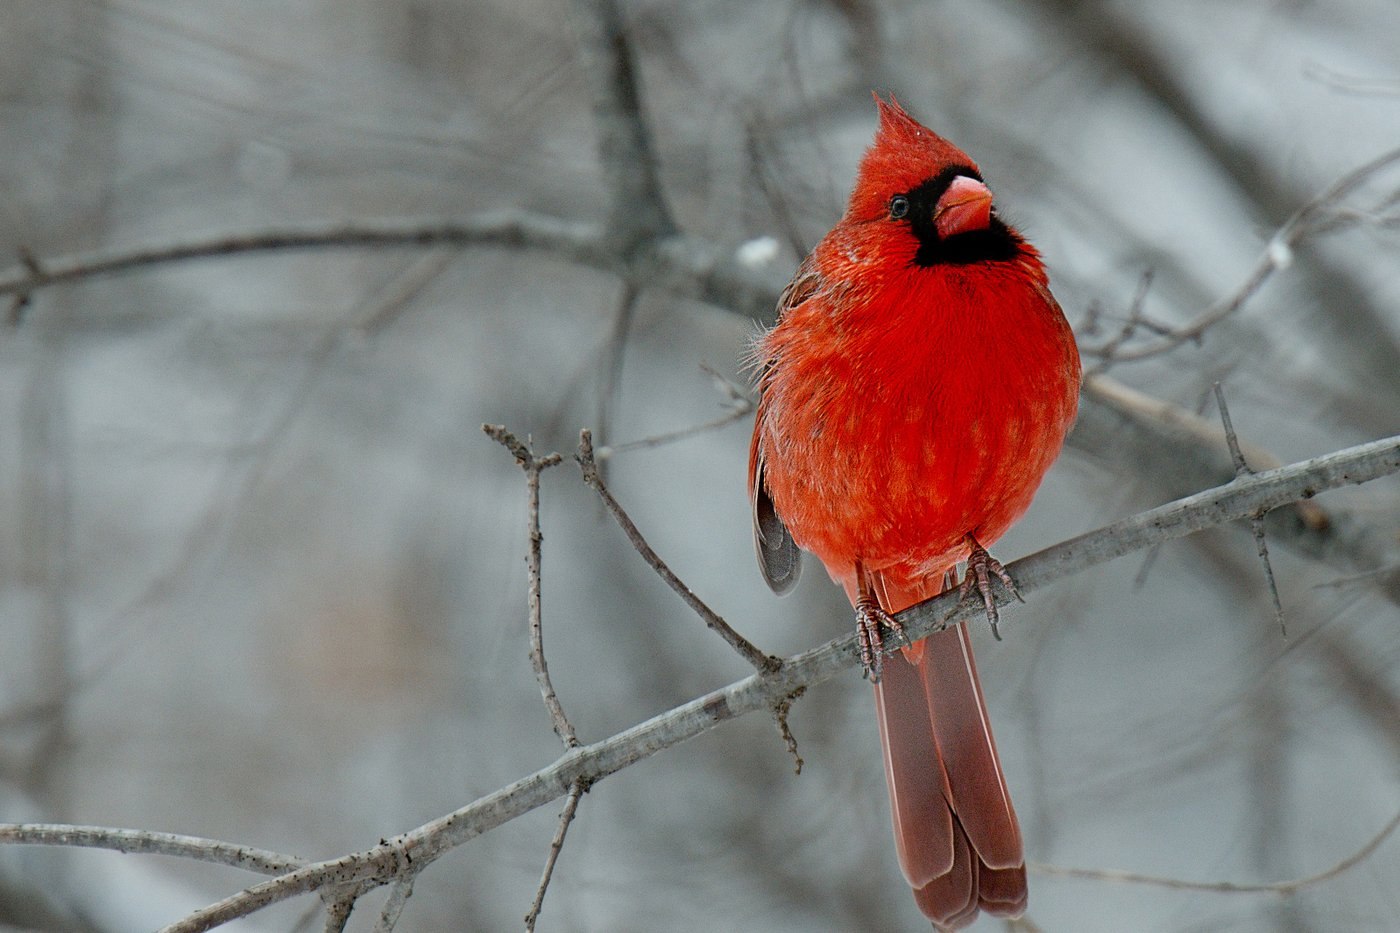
{"type": "Point", "coordinates": [931, 192]}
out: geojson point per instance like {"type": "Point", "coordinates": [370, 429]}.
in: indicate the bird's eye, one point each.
{"type": "Point", "coordinates": [899, 207]}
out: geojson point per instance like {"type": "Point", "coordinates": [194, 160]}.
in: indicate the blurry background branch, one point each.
{"type": "Point", "coordinates": [259, 577]}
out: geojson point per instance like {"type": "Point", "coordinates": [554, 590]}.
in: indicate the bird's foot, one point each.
{"type": "Point", "coordinates": [981, 567]}
{"type": "Point", "coordinates": [871, 621]}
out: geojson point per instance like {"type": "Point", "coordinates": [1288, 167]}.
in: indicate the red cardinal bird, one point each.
{"type": "Point", "coordinates": [916, 388]}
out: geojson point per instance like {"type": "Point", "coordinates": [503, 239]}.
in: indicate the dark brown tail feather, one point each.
{"type": "Point", "coordinates": [955, 830]}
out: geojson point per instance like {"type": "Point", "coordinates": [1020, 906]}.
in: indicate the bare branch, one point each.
{"type": "Point", "coordinates": [638, 211]}
{"type": "Point", "coordinates": [1231, 440]}
{"type": "Point", "coordinates": [1135, 319]}
{"type": "Point", "coordinates": [399, 893]}
{"type": "Point", "coordinates": [402, 291]}
{"type": "Point", "coordinates": [1226, 887]}
{"type": "Point", "coordinates": [681, 264]}
{"type": "Point", "coordinates": [533, 467]}
{"type": "Point", "coordinates": [781, 710]}
{"type": "Point", "coordinates": [1183, 451]}
{"type": "Point", "coordinates": [581, 242]}
{"type": "Point", "coordinates": [746, 648]}
{"type": "Point", "coordinates": [1121, 36]}
{"type": "Point", "coordinates": [555, 847]}
{"type": "Point", "coordinates": [563, 728]}
{"type": "Point", "coordinates": [1256, 521]}
{"type": "Point", "coordinates": [146, 842]}
{"type": "Point", "coordinates": [591, 763]}
{"type": "Point", "coordinates": [1324, 213]}
{"type": "Point", "coordinates": [740, 406]}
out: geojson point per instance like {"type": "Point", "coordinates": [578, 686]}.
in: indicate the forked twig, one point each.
{"type": "Point", "coordinates": [533, 467]}
{"type": "Point", "coordinates": [563, 728]}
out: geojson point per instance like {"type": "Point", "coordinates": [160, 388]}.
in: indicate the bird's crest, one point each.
{"type": "Point", "coordinates": [904, 154]}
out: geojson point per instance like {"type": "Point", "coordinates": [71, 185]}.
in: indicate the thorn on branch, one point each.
{"type": "Point", "coordinates": [747, 650]}
{"type": "Point", "coordinates": [1232, 440]}
{"type": "Point", "coordinates": [1256, 521]}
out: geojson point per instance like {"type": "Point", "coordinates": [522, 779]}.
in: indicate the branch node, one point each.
{"type": "Point", "coordinates": [20, 302]}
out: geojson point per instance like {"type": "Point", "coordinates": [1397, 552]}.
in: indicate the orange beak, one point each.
{"type": "Point", "coordinates": [965, 207]}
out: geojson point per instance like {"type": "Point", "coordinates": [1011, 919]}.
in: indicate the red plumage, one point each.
{"type": "Point", "coordinates": [918, 384]}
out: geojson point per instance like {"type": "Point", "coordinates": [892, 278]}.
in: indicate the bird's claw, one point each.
{"type": "Point", "coordinates": [871, 621]}
{"type": "Point", "coordinates": [981, 567]}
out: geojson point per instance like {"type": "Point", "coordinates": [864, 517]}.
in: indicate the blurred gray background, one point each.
{"type": "Point", "coordinates": [262, 577]}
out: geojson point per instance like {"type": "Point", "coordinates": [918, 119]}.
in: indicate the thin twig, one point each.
{"type": "Point", "coordinates": [399, 893]}
{"type": "Point", "coordinates": [147, 842]}
{"type": "Point", "coordinates": [739, 412]}
{"type": "Point", "coordinates": [1226, 887]}
{"type": "Point", "coordinates": [583, 242]}
{"type": "Point", "coordinates": [1366, 576]}
{"type": "Point", "coordinates": [533, 467]}
{"type": "Point", "coordinates": [1321, 214]}
{"type": "Point", "coordinates": [684, 265]}
{"type": "Point", "coordinates": [1232, 440]}
{"type": "Point", "coordinates": [1256, 521]}
{"type": "Point", "coordinates": [563, 728]}
{"type": "Point", "coordinates": [740, 406]}
{"type": "Point", "coordinates": [591, 763]}
{"type": "Point", "coordinates": [747, 650]}
{"type": "Point", "coordinates": [1131, 323]}
{"type": "Point", "coordinates": [555, 847]}
{"type": "Point", "coordinates": [402, 291]}
{"type": "Point", "coordinates": [613, 355]}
